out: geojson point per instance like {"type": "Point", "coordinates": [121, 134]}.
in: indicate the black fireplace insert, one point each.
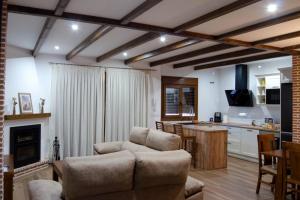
{"type": "Point", "coordinates": [25, 144]}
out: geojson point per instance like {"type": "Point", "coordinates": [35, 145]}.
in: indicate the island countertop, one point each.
{"type": "Point", "coordinates": [206, 128]}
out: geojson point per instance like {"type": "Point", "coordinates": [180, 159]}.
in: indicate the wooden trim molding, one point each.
{"type": "Point", "coordinates": [26, 116]}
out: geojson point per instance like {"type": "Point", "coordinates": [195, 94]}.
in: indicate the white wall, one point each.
{"type": "Point", "coordinates": [27, 74]}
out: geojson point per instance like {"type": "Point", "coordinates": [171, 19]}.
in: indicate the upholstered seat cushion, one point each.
{"type": "Point", "coordinates": [153, 169]}
{"type": "Point", "coordinates": [162, 141]}
{"type": "Point", "coordinates": [132, 147]}
{"type": "Point", "coordinates": [44, 190]}
{"type": "Point", "coordinates": [107, 147]}
{"type": "Point", "coordinates": [192, 186]}
{"type": "Point", "coordinates": [96, 175]}
{"type": "Point", "coordinates": [139, 135]}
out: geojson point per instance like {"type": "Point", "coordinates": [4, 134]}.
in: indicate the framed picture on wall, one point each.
{"type": "Point", "coordinates": [25, 103]}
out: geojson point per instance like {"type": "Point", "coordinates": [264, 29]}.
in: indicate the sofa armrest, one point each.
{"type": "Point", "coordinates": [45, 190]}
{"type": "Point", "coordinates": [107, 147]}
{"type": "Point", "coordinates": [193, 186]}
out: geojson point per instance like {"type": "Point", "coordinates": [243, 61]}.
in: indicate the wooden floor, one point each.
{"type": "Point", "coordinates": [237, 182]}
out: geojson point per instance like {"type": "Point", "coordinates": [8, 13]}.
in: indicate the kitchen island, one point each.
{"type": "Point", "coordinates": [211, 145]}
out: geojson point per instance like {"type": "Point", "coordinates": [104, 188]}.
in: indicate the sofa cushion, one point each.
{"type": "Point", "coordinates": [136, 147]}
{"type": "Point", "coordinates": [161, 168]}
{"type": "Point", "coordinates": [95, 175]}
{"type": "Point", "coordinates": [193, 186]}
{"type": "Point", "coordinates": [44, 190]}
{"type": "Point", "coordinates": [139, 135]}
{"type": "Point", "coordinates": [162, 141]}
{"type": "Point", "coordinates": [107, 147]}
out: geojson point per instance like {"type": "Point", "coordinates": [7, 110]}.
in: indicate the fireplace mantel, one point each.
{"type": "Point", "coordinates": [26, 116]}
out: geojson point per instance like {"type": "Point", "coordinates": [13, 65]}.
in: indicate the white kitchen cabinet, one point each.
{"type": "Point", "coordinates": [234, 140]}
{"type": "Point", "coordinates": [249, 143]}
{"type": "Point", "coordinates": [272, 81]}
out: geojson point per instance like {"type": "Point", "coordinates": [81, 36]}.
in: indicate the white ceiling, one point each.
{"type": "Point", "coordinates": [23, 30]}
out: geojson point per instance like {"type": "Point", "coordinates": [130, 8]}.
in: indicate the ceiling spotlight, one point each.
{"type": "Point", "coordinates": [162, 38]}
{"type": "Point", "coordinates": [259, 67]}
{"type": "Point", "coordinates": [56, 47]}
{"type": "Point", "coordinates": [272, 8]}
{"type": "Point", "coordinates": [125, 54]}
{"type": "Point", "coordinates": [74, 27]}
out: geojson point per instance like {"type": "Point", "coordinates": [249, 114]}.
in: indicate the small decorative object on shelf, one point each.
{"type": "Point", "coordinates": [56, 146]}
{"type": "Point", "coordinates": [25, 103]}
{"type": "Point", "coordinates": [14, 105]}
{"type": "Point", "coordinates": [42, 105]}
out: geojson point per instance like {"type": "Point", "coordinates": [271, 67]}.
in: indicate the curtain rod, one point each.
{"type": "Point", "coordinates": [144, 69]}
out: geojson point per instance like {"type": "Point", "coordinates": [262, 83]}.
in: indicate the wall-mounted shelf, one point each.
{"type": "Point", "coordinates": [26, 116]}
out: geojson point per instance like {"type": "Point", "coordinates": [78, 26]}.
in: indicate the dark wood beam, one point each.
{"type": "Point", "coordinates": [191, 54]}
{"type": "Point", "coordinates": [162, 50]}
{"type": "Point", "coordinates": [277, 38]}
{"type": "Point", "coordinates": [264, 24]}
{"type": "Point", "coordinates": [129, 45]}
{"type": "Point", "coordinates": [147, 5]}
{"type": "Point", "coordinates": [234, 54]}
{"type": "Point", "coordinates": [138, 26]}
{"type": "Point", "coordinates": [292, 47]}
{"type": "Point", "coordinates": [60, 7]}
{"type": "Point", "coordinates": [100, 32]}
{"type": "Point", "coordinates": [215, 14]}
{"type": "Point", "coordinates": [241, 60]}
{"type": "Point", "coordinates": [104, 29]}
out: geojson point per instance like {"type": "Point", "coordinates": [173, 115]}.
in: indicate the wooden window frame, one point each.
{"type": "Point", "coordinates": [178, 82]}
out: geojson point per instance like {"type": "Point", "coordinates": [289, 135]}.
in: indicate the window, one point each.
{"type": "Point", "coordinates": [179, 98]}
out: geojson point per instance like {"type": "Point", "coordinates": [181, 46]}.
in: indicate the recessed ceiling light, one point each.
{"type": "Point", "coordinates": [259, 67]}
{"type": "Point", "coordinates": [162, 38]}
{"type": "Point", "coordinates": [125, 54]}
{"type": "Point", "coordinates": [75, 27]}
{"type": "Point", "coordinates": [56, 47]}
{"type": "Point", "coordinates": [272, 8]}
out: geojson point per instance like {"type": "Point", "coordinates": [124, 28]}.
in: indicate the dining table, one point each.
{"type": "Point", "coordinates": [280, 185]}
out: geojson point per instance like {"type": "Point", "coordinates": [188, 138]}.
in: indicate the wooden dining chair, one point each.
{"type": "Point", "coordinates": [159, 126]}
{"type": "Point", "coordinates": [267, 165]}
{"type": "Point", "coordinates": [291, 158]}
{"type": "Point", "coordinates": [188, 143]}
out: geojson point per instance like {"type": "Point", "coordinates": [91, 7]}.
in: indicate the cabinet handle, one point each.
{"type": "Point", "coordinates": [249, 130]}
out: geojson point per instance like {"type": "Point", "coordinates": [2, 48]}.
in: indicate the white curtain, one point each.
{"type": "Point", "coordinates": [77, 105]}
{"type": "Point", "coordinates": [126, 102]}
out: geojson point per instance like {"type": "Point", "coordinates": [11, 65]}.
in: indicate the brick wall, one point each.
{"type": "Point", "coordinates": [3, 20]}
{"type": "Point", "coordinates": [296, 98]}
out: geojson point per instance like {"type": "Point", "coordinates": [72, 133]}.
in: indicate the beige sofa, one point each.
{"type": "Point", "coordinates": [146, 167]}
{"type": "Point", "coordinates": [123, 175]}
{"type": "Point", "coordinates": [142, 140]}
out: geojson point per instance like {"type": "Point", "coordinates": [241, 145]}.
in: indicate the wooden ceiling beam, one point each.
{"type": "Point", "coordinates": [277, 38]}
{"type": "Point", "coordinates": [104, 29]}
{"type": "Point", "coordinates": [147, 5]}
{"type": "Point", "coordinates": [264, 24]}
{"type": "Point", "coordinates": [234, 54]}
{"type": "Point", "coordinates": [165, 49]}
{"type": "Point", "coordinates": [292, 47]}
{"type": "Point", "coordinates": [129, 45]}
{"type": "Point", "coordinates": [215, 14]}
{"type": "Point", "coordinates": [241, 60]}
{"type": "Point", "coordinates": [49, 23]}
{"type": "Point", "coordinates": [149, 28]}
{"type": "Point", "coordinates": [198, 52]}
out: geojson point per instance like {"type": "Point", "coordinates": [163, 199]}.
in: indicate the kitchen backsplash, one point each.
{"type": "Point", "coordinates": [257, 113]}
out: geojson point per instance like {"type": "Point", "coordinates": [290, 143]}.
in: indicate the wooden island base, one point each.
{"type": "Point", "coordinates": [211, 142]}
